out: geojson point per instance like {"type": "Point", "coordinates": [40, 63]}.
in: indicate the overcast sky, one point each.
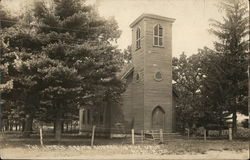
{"type": "Point", "coordinates": [190, 30]}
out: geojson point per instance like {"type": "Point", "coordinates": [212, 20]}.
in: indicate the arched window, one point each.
{"type": "Point", "coordinates": [137, 77]}
{"type": "Point", "coordinates": [138, 38]}
{"type": "Point", "coordinates": [158, 35]}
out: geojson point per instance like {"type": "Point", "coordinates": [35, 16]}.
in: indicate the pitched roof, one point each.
{"type": "Point", "coordinates": [127, 69]}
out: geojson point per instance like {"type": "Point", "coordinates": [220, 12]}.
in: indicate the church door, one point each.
{"type": "Point", "coordinates": [158, 118]}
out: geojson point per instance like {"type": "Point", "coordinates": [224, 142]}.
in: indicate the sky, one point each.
{"type": "Point", "coordinates": [190, 30]}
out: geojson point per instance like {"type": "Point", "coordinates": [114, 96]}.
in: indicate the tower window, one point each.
{"type": "Point", "coordinates": [137, 77]}
{"type": "Point", "coordinates": [158, 35]}
{"type": "Point", "coordinates": [138, 38]}
{"type": "Point", "coordinates": [158, 76]}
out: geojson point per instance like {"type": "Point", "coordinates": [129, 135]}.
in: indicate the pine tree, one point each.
{"type": "Point", "coordinates": [79, 41]}
{"type": "Point", "coordinates": [60, 58]}
{"type": "Point", "coordinates": [232, 46]}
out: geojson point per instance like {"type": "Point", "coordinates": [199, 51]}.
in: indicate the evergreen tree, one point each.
{"type": "Point", "coordinates": [60, 58]}
{"type": "Point", "coordinates": [80, 42]}
{"type": "Point", "coordinates": [214, 90]}
{"type": "Point", "coordinates": [232, 45]}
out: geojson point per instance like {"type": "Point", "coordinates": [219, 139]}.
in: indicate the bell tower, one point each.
{"type": "Point", "coordinates": [152, 77]}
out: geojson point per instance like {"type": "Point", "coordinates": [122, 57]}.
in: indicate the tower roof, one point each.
{"type": "Point", "coordinates": [153, 16]}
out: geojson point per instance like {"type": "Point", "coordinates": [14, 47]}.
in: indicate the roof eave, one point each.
{"type": "Point", "coordinates": [146, 15]}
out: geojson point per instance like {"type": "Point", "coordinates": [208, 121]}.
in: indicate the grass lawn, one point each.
{"type": "Point", "coordinates": [120, 149]}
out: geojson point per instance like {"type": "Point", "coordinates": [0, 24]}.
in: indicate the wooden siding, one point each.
{"type": "Point", "coordinates": [143, 95]}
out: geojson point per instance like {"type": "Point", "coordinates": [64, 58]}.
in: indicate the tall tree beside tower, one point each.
{"type": "Point", "coordinates": [232, 46]}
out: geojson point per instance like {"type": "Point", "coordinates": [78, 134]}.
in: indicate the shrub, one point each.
{"type": "Point", "coordinates": [245, 123]}
{"type": "Point", "coordinates": [243, 132]}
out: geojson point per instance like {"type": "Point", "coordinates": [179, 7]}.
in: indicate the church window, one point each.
{"type": "Point", "coordinates": [158, 76]}
{"type": "Point", "coordinates": [158, 35]}
{"type": "Point", "coordinates": [137, 76]}
{"type": "Point", "coordinates": [138, 38]}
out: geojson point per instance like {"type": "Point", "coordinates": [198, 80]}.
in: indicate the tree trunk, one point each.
{"type": "Point", "coordinates": [234, 122]}
{"type": "Point", "coordinates": [58, 125]}
{"type": "Point", "coordinates": [11, 125]}
{"type": "Point", "coordinates": [62, 127]}
{"type": "Point", "coordinates": [7, 125]}
{"type": "Point", "coordinates": [54, 128]}
{"type": "Point", "coordinates": [19, 126]}
{"type": "Point", "coordinates": [23, 125]}
{"type": "Point", "coordinates": [67, 126]}
{"type": "Point", "coordinates": [71, 126]}
{"type": "Point", "coordinates": [221, 123]}
{"type": "Point", "coordinates": [28, 125]}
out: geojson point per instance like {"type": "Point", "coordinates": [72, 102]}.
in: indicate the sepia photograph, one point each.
{"type": "Point", "coordinates": [124, 79]}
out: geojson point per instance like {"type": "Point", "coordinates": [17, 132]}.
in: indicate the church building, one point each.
{"type": "Point", "coordinates": [149, 101]}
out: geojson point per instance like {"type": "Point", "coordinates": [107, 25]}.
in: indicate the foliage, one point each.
{"type": "Point", "coordinates": [243, 133]}
{"type": "Point", "coordinates": [245, 123]}
{"type": "Point", "coordinates": [212, 84]}
{"type": "Point", "coordinates": [232, 47]}
{"type": "Point", "coordinates": [7, 20]}
{"type": "Point", "coordinates": [60, 58]}
{"type": "Point", "coordinates": [127, 54]}
{"type": "Point", "coordinates": [188, 76]}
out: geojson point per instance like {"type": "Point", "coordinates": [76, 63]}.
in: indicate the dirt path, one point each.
{"type": "Point", "coordinates": [17, 153]}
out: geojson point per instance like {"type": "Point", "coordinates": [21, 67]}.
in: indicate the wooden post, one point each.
{"type": "Point", "coordinates": [161, 136]}
{"type": "Point", "coordinates": [205, 135]}
{"type": "Point", "coordinates": [230, 134]}
{"type": "Point", "coordinates": [133, 136]}
{"type": "Point", "coordinates": [93, 136]}
{"type": "Point", "coordinates": [41, 135]}
{"type": "Point", "coordinates": [80, 121]}
{"type": "Point", "coordinates": [142, 136]}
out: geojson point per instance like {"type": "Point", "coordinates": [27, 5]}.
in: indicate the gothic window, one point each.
{"type": "Point", "coordinates": [158, 35]}
{"type": "Point", "coordinates": [137, 77]}
{"type": "Point", "coordinates": [138, 38]}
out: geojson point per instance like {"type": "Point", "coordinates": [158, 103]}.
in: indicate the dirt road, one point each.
{"type": "Point", "coordinates": [62, 153]}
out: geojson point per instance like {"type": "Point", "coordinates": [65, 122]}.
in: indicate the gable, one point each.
{"type": "Point", "coordinates": [126, 71]}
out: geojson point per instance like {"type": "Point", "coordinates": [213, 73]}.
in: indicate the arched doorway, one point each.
{"type": "Point", "coordinates": [158, 115]}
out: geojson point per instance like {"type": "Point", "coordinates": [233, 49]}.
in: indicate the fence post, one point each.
{"type": "Point", "coordinates": [142, 136]}
{"type": "Point", "coordinates": [205, 135]}
{"type": "Point", "coordinates": [161, 136]}
{"type": "Point", "coordinates": [41, 135]}
{"type": "Point", "coordinates": [133, 136]}
{"type": "Point", "coordinates": [230, 134]}
{"type": "Point", "coordinates": [93, 136]}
